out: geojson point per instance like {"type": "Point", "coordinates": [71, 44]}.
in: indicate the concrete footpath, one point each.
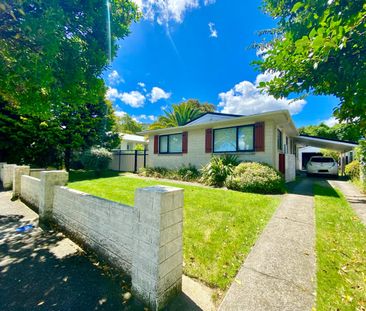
{"type": "Point", "coordinates": [356, 199]}
{"type": "Point", "coordinates": [279, 273]}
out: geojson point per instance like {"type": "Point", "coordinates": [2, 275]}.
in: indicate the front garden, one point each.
{"type": "Point", "coordinates": [220, 226]}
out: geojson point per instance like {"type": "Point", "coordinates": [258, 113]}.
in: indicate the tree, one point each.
{"type": "Point", "coordinates": [126, 124]}
{"type": "Point", "coordinates": [182, 113]}
{"type": "Point", "coordinates": [319, 47]}
{"type": "Point", "coordinates": [53, 52]}
{"type": "Point", "coordinates": [28, 139]}
{"type": "Point", "coordinates": [342, 131]}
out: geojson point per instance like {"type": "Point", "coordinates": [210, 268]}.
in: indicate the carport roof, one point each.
{"type": "Point", "coordinates": [325, 143]}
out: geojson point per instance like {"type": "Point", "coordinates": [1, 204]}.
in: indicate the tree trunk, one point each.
{"type": "Point", "coordinates": [67, 158]}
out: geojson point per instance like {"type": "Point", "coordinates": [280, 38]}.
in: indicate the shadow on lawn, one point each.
{"type": "Point", "coordinates": [305, 186]}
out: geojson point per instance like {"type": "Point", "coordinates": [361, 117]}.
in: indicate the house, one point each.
{"type": "Point", "coordinates": [266, 137]}
{"type": "Point", "coordinates": [130, 141]}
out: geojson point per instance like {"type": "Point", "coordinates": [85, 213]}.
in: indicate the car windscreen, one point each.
{"type": "Point", "coordinates": [322, 160]}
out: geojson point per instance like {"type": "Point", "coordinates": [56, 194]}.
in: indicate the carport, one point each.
{"type": "Point", "coordinates": [342, 146]}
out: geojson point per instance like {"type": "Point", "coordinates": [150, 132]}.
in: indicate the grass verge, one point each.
{"type": "Point", "coordinates": [341, 253]}
{"type": "Point", "coordinates": [220, 226]}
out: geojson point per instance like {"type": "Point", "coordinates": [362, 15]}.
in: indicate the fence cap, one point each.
{"type": "Point", "coordinates": [160, 189]}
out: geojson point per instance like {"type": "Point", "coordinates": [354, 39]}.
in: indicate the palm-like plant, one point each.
{"type": "Point", "coordinates": [177, 116]}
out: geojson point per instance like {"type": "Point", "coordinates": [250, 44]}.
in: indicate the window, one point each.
{"type": "Point", "coordinates": [170, 143]}
{"type": "Point", "coordinates": [279, 140]}
{"type": "Point", "coordinates": [234, 139]}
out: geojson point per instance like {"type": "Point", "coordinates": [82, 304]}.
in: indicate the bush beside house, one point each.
{"type": "Point", "coordinates": [257, 178]}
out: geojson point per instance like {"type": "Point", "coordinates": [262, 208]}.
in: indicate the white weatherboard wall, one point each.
{"type": "Point", "coordinates": [104, 225]}
{"type": "Point", "coordinates": [198, 157]}
{"type": "Point", "coordinates": [29, 190]}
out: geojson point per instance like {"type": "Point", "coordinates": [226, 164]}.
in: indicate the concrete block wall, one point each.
{"type": "Point", "coordinates": [30, 189]}
{"type": "Point", "coordinates": [17, 174]}
{"type": "Point", "coordinates": [103, 225]}
{"type": "Point", "coordinates": [145, 240]}
{"type": "Point", "coordinates": [6, 175]}
{"type": "Point", "coordinates": [158, 252]}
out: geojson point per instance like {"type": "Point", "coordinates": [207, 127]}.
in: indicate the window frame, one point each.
{"type": "Point", "coordinates": [279, 140]}
{"type": "Point", "coordinates": [168, 138]}
{"type": "Point", "coordinates": [237, 150]}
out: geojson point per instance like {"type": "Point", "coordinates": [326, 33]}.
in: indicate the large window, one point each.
{"type": "Point", "coordinates": [170, 143]}
{"type": "Point", "coordinates": [234, 139]}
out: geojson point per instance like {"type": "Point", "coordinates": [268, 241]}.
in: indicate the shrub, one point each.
{"type": "Point", "coordinates": [188, 173]}
{"type": "Point", "coordinates": [257, 178]}
{"type": "Point", "coordinates": [219, 168]}
{"type": "Point", "coordinates": [96, 159]}
{"type": "Point", "coordinates": [353, 169]}
{"type": "Point", "coordinates": [156, 172]}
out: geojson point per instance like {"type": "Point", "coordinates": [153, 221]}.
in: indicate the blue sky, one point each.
{"type": "Point", "coordinates": [198, 49]}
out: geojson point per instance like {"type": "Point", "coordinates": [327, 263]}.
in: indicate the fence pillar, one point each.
{"type": "Point", "coordinates": [157, 260]}
{"type": "Point", "coordinates": [49, 179]}
{"type": "Point", "coordinates": [17, 176]}
{"type": "Point", "coordinates": [7, 175]}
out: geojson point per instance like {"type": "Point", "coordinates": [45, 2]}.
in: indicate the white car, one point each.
{"type": "Point", "coordinates": [322, 165]}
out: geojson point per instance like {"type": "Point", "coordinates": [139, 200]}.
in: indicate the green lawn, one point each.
{"type": "Point", "coordinates": [220, 226]}
{"type": "Point", "coordinates": [341, 253]}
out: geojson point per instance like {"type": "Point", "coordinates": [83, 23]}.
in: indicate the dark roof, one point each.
{"type": "Point", "coordinates": [215, 113]}
{"type": "Point", "coordinates": [330, 139]}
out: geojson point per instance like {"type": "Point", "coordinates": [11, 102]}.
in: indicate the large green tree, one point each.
{"type": "Point", "coordinates": [319, 47]}
{"type": "Point", "coordinates": [54, 51]}
{"type": "Point", "coordinates": [51, 141]}
{"type": "Point", "coordinates": [182, 113]}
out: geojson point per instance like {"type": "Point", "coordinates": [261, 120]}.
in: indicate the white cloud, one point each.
{"type": "Point", "coordinates": [112, 93]}
{"type": "Point", "coordinates": [246, 98]}
{"type": "Point", "coordinates": [208, 2]}
{"type": "Point", "coordinates": [330, 122]}
{"type": "Point", "coordinates": [144, 118]}
{"type": "Point", "coordinates": [142, 85]}
{"type": "Point", "coordinates": [119, 113]}
{"type": "Point", "coordinates": [213, 31]}
{"type": "Point", "coordinates": [164, 11]}
{"type": "Point", "coordinates": [114, 78]}
{"type": "Point", "coordinates": [134, 98]}
{"type": "Point", "coordinates": [157, 93]}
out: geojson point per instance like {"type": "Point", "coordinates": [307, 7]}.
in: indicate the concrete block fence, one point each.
{"type": "Point", "coordinates": [144, 241]}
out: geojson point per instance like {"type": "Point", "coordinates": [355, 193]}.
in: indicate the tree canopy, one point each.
{"type": "Point", "coordinates": [342, 131]}
{"type": "Point", "coordinates": [126, 124]}
{"type": "Point", "coordinates": [53, 51]}
{"type": "Point", "coordinates": [29, 139]}
{"type": "Point", "coordinates": [319, 47]}
{"type": "Point", "coordinates": [182, 113]}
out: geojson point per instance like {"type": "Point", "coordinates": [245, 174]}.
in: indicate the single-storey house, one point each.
{"type": "Point", "coordinates": [130, 141]}
{"type": "Point", "coordinates": [266, 137]}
